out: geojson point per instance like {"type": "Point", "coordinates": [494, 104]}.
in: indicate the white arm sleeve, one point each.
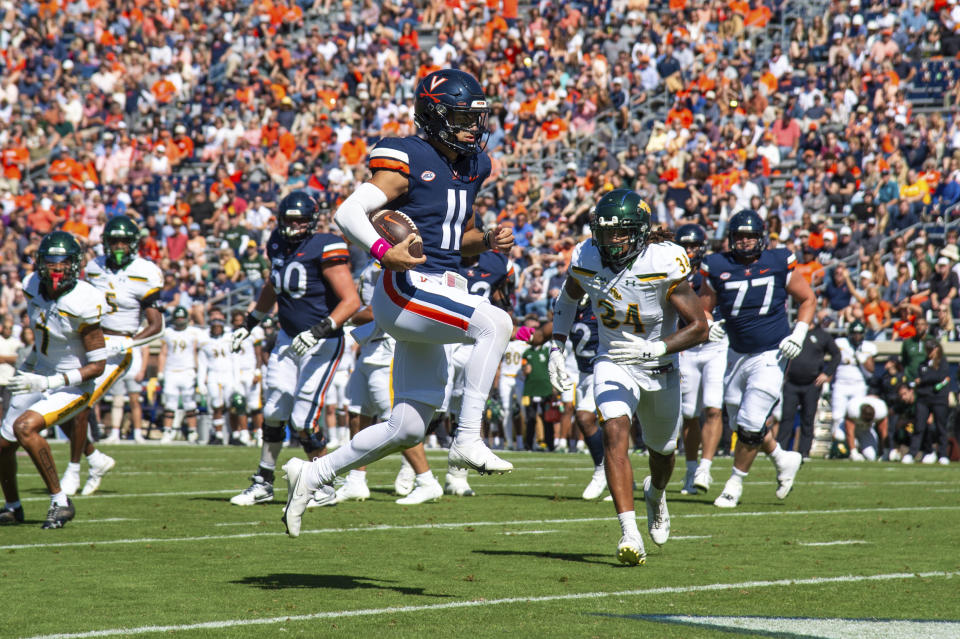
{"type": "Point", "coordinates": [352, 215]}
{"type": "Point", "coordinates": [564, 311]}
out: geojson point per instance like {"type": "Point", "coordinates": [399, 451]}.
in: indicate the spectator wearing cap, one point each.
{"type": "Point", "coordinates": [943, 287]}
{"type": "Point", "coordinates": [845, 247]}
{"type": "Point", "coordinates": [808, 267]}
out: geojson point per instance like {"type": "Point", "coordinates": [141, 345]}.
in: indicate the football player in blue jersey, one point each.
{"type": "Point", "coordinates": [701, 379]}
{"type": "Point", "coordinates": [311, 283]}
{"type": "Point", "coordinates": [750, 285]}
{"type": "Point", "coordinates": [433, 178]}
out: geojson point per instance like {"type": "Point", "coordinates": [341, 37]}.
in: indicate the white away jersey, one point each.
{"type": "Point", "coordinates": [246, 358]}
{"type": "Point", "coordinates": [635, 300]}
{"type": "Point", "coordinates": [879, 410]}
{"type": "Point", "coordinates": [851, 359]}
{"type": "Point", "coordinates": [214, 354]}
{"type": "Point", "coordinates": [181, 348]}
{"type": "Point", "coordinates": [124, 291]}
{"type": "Point", "coordinates": [513, 358]}
{"type": "Point", "coordinates": [57, 324]}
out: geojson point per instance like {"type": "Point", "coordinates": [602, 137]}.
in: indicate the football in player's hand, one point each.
{"type": "Point", "coordinates": [394, 227]}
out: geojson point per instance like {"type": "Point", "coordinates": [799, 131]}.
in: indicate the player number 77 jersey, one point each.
{"type": "Point", "coordinates": [636, 300]}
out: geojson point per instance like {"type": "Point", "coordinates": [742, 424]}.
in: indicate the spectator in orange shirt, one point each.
{"type": "Point", "coordinates": [163, 90]}
{"type": "Point", "coordinates": [76, 225]}
{"type": "Point", "coordinates": [354, 150]}
{"type": "Point", "coordinates": [809, 268]}
{"type": "Point", "coordinates": [681, 113]}
{"type": "Point", "coordinates": [43, 218]}
{"type": "Point", "coordinates": [183, 143]}
{"type": "Point", "coordinates": [287, 143]}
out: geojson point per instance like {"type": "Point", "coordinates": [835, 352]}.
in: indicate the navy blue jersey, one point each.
{"type": "Point", "coordinates": [585, 337]}
{"type": "Point", "coordinates": [752, 298]}
{"type": "Point", "coordinates": [439, 197]}
{"type": "Point", "coordinates": [296, 271]}
{"type": "Point", "coordinates": [487, 275]}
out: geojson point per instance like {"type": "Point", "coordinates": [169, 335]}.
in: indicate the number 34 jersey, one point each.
{"type": "Point", "coordinates": [127, 291]}
{"type": "Point", "coordinates": [752, 298]}
{"type": "Point", "coordinates": [296, 271]}
{"type": "Point", "coordinates": [637, 299]}
{"type": "Point", "coordinates": [57, 324]}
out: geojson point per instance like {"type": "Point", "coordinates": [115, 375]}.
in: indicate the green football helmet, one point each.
{"type": "Point", "coordinates": [180, 318]}
{"type": "Point", "coordinates": [620, 225]}
{"type": "Point", "coordinates": [238, 404]}
{"type": "Point", "coordinates": [58, 263]}
{"type": "Point", "coordinates": [121, 241]}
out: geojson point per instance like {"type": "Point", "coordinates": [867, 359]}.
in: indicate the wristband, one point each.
{"type": "Point", "coordinates": [380, 247]}
{"type": "Point", "coordinates": [253, 318]}
{"type": "Point", "coordinates": [487, 235]}
{"type": "Point", "coordinates": [97, 355]}
{"type": "Point", "coordinates": [73, 377]}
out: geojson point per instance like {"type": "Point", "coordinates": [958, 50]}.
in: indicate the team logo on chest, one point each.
{"type": "Point", "coordinates": [725, 276]}
{"type": "Point", "coordinates": [428, 176]}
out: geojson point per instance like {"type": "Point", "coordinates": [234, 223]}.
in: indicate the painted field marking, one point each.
{"type": "Point", "coordinates": [530, 532]}
{"type": "Point", "coordinates": [463, 524]}
{"type": "Point", "coordinates": [842, 542]}
{"type": "Point", "coordinates": [367, 612]}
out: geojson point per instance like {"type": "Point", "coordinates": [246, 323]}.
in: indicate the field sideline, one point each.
{"type": "Point", "coordinates": [858, 550]}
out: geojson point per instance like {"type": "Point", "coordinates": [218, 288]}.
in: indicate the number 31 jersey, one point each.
{"type": "Point", "coordinates": [752, 298]}
{"type": "Point", "coordinates": [439, 197]}
{"type": "Point", "coordinates": [296, 271]}
{"type": "Point", "coordinates": [637, 299]}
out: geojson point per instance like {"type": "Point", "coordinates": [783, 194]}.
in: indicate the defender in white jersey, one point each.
{"type": "Point", "coordinates": [216, 378]}
{"type": "Point", "coordinates": [865, 425]}
{"type": "Point", "coordinates": [850, 381]}
{"type": "Point", "coordinates": [131, 286]}
{"type": "Point", "coordinates": [637, 283]}
{"type": "Point", "coordinates": [178, 374]}
{"type": "Point", "coordinates": [511, 390]}
{"type": "Point", "coordinates": [57, 382]}
{"type": "Point", "coordinates": [248, 377]}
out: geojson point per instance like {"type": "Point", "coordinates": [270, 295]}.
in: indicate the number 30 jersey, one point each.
{"type": "Point", "coordinates": [439, 197]}
{"type": "Point", "coordinates": [637, 299]}
{"type": "Point", "coordinates": [752, 298]}
{"type": "Point", "coordinates": [58, 324]}
{"type": "Point", "coordinates": [127, 291]}
{"type": "Point", "coordinates": [296, 271]}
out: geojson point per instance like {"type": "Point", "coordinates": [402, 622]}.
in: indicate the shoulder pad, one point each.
{"type": "Point", "coordinates": [391, 154]}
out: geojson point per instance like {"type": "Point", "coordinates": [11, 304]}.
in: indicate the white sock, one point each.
{"type": "Point", "coordinates": [73, 468]}
{"type": "Point", "coordinates": [468, 431]}
{"type": "Point", "coordinates": [691, 466]}
{"type": "Point", "coordinates": [628, 523]}
{"type": "Point", "coordinates": [96, 458]}
{"type": "Point", "coordinates": [737, 476]}
{"type": "Point", "coordinates": [358, 475]}
{"type": "Point", "coordinates": [705, 464]}
{"type": "Point", "coordinates": [425, 478]}
{"type": "Point", "coordinates": [60, 499]}
{"type": "Point", "coordinates": [776, 455]}
{"type": "Point", "coordinates": [459, 473]}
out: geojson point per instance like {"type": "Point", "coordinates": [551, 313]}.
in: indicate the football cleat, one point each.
{"type": "Point", "coordinates": [298, 495]}
{"type": "Point", "coordinates": [113, 437]}
{"type": "Point", "coordinates": [598, 483]}
{"type": "Point", "coordinates": [403, 484]}
{"type": "Point", "coordinates": [730, 496]}
{"type": "Point", "coordinates": [168, 436]}
{"type": "Point", "coordinates": [702, 479]}
{"type": "Point", "coordinates": [477, 456]}
{"type": "Point", "coordinates": [353, 488]}
{"type": "Point", "coordinates": [96, 474]}
{"type": "Point", "coordinates": [894, 455]}
{"type": "Point", "coordinates": [929, 458]}
{"type": "Point", "coordinates": [323, 496]}
{"type": "Point", "coordinates": [658, 517]}
{"type": "Point", "coordinates": [787, 472]}
{"type": "Point", "coordinates": [688, 486]}
{"type": "Point", "coordinates": [58, 516]}
{"type": "Point", "coordinates": [907, 459]}
{"type": "Point", "coordinates": [138, 437]}
{"type": "Point", "coordinates": [856, 455]}
{"type": "Point", "coordinates": [456, 483]}
{"type": "Point", "coordinates": [630, 551]}
{"type": "Point", "coordinates": [70, 483]}
{"type": "Point", "coordinates": [259, 492]}
{"type": "Point", "coordinates": [425, 490]}
{"type": "Point", "coordinates": [944, 461]}
{"type": "Point", "coordinates": [11, 516]}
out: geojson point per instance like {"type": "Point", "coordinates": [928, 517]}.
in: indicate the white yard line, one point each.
{"type": "Point", "coordinates": [483, 603]}
{"type": "Point", "coordinates": [466, 524]}
{"type": "Point", "coordinates": [842, 542]}
{"type": "Point", "coordinates": [530, 532]}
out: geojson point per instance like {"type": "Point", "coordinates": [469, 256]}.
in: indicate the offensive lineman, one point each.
{"type": "Point", "coordinates": [749, 285]}
{"type": "Point", "coordinates": [701, 380]}
{"type": "Point", "coordinates": [68, 355]}
{"type": "Point", "coordinates": [311, 284]}
{"type": "Point", "coordinates": [423, 302]}
{"type": "Point", "coordinates": [177, 364]}
{"type": "Point", "coordinates": [637, 284]}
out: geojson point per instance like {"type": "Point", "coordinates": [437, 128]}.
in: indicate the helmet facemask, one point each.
{"type": "Point", "coordinates": [619, 241]}
{"type": "Point", "coordinates": [448, 122]}
{"type": "Point", "coordinates": [58, 273]}
{"type": "Point", "coordinates": [743, 248]}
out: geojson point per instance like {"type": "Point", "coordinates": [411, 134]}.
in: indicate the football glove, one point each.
{"type": "Point", "coordinates": [32, 383]}
{"type": "Point", "coordinates": [717, 331]}
{"type": "Point", "coordinates": [636, 350]}
{"type": "Point", "coordinates": [557, 369]}
{"type": "Point", "coordinates": [792, 344]}
{"type": "Point", "coordinates": [236, 343]}
{"type": "Point", "coordinates": [307, 339]}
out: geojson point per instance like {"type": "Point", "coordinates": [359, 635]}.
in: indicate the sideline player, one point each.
{"type": "Point", "coordinates": [246, 363]}
{"type": "Point", "coordinates": [177, 363]}
{"type": "Point", "coordinates": [423, 302]}
{"type": "Point", "coordinates": [511, 392]}
{"type": "Point", "coordinates": [311, 284]}
{"type": "Point", "coordinates": [215, 371]}
{"type": "Point", "coordinates": [637, 283]}
{"type": "Point", "coordinates": [701, 380]}
{"type": "Point", "coordinates": [865, 426]}
{"type": "Point", "coordinates": [68, 355]}
{"type": "Point", "coordinates": [750, 284]}
{"type": "Point", "coordinates": [850, 381]}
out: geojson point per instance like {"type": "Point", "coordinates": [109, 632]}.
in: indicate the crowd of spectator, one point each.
{"type": "Point", "coordinates": [195, 117]}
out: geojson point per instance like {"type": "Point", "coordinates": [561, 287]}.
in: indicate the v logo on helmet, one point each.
{"type": "Point", "coordinates": [435, 82]}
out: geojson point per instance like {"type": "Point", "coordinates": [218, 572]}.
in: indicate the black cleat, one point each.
{"type": "Point", "coordinates": [58, 516]}
{"type": "Point", "coordinates": [12, 517]}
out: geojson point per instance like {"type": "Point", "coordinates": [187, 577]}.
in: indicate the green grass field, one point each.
{"type": "Point", "coordinates": [161, 551]}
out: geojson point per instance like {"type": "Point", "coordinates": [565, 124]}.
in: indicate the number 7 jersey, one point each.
{"type": "Point", "coordinates": [752, 298]}
{"type": "Point", "coordinates": [636, 300]}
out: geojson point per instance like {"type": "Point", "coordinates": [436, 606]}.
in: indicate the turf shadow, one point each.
{"type": "Point", "coordinates": [586, 558]}
{"type": "Point", "coordinates": [280, 581]}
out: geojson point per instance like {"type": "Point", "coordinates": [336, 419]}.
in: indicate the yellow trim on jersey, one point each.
{"type": "Point", "coordinates": [85, 326]}
{"type": "Point", "coordinates": [122, 368]}
{"type": "Point", "coordinates": [652, 277]}
{"type": "Point", "coordinates": [673, 287]}
{"type": "Point", "coordinates": [56, 416]}
{"type": "Point", "coordinates": [29, 295]}
{"type": "Point", "coordinates": [155, 289]}
{"type": "Point", "coordinates": [93, 274]}
{"type": "Point", "coordinates": [137, 278]}
{"type": "Point", "coordinates": [67, 313]}
{"type": "Point", "coordinates": [390, 381]}
{"type": "Point", "coordinates": [582, 271]}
